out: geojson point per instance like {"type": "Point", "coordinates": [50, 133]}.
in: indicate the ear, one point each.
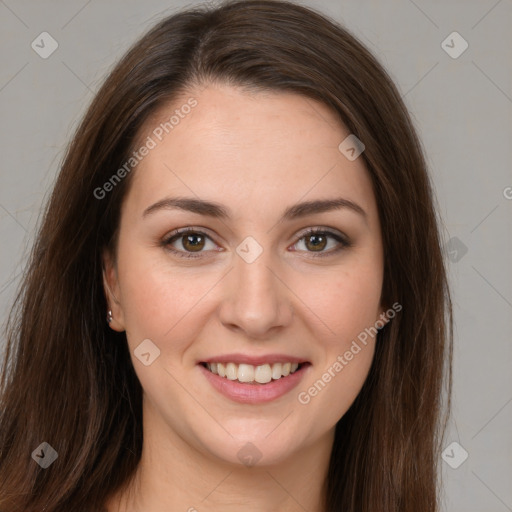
{"type": "Point", "coordinates": [111, 289]}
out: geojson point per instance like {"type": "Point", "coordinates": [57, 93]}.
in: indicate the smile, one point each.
{"type": "Point", "coordinates": [248, 373]}
{"type": "Point", "coordinates": [268, 378]}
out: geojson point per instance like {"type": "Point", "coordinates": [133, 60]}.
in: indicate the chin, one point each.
{"type": "Point", "coordinates": [262, 447]}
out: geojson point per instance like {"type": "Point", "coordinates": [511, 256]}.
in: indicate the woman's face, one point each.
{"type": "Point", "coordinates": [258, 290]}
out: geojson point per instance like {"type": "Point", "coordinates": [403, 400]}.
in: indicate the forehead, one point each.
{"type": "Point", "coordinates": [247, 149]}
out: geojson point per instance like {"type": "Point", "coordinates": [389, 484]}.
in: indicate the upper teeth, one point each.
{"type": "Point", "coordinates": [249, 373]}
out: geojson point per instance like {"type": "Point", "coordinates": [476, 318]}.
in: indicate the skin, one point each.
{"type": "Point", "coordinates": [255, 153]}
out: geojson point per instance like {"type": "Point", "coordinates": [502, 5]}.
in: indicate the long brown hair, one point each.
{"type": "Point", "coordinates": [67, 377]}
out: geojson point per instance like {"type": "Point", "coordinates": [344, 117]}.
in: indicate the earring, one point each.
{"type": "Point", "coordinates": [109, 316]}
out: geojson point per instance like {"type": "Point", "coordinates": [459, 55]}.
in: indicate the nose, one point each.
{"type": "Point", "coordinates": [257, 302]}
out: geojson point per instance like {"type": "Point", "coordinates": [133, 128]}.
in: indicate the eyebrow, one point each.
{"type": "Point", "coordinates": [218, 211]}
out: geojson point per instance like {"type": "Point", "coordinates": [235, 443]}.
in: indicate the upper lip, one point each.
{"type": "Point", "coordinates": [254, 360]}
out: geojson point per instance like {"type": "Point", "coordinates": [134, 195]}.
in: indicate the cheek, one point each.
{"type": "Point", "coordinates": [330, 392]}
{"type": "Point", "coordinates": [346, 302]}
{"type": "Point", "coordinates": [349, 305]}
{"type": "Point", "coordinates": [167, 305]}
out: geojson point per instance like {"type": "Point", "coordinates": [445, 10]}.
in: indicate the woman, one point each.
{"type": "Point", "coordinates": [237, 296]}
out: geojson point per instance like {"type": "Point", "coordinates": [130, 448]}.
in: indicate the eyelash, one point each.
{"type": "Point", "coordinates": [312, 231]}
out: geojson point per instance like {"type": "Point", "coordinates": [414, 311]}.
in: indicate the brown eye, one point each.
{"type": "Point", "coordinates": [193, 242]}
{"type": "Point", "coordinates": [189, 243]}
{"type": "Point", "coordinates": [184, 243]}
{"type": "Point", "coordinates": [316, 240]}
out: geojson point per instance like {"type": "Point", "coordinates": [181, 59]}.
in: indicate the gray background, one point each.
{"type": "Point", "coordinates": [462, 108]}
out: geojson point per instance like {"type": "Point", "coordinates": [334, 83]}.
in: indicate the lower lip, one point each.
{"type": "Point", "coordinates": [254, 393]}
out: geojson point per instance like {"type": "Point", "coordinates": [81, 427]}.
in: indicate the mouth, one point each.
{"type": "Point", "coordinates": [251, 374]}
{"type": "Point", "coordinates": [268, 378]}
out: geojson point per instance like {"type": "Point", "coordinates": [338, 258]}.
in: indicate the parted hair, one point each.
{"type": "Point", "coordinates": [67, 378]}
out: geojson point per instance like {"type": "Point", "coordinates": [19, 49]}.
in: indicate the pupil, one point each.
{"type": "Point", "coordinates": [191, 237]}
{"type": "Point", "coordinates": [318, 239]}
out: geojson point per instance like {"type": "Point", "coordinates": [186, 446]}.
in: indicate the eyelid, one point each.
{"type": "Point", "coordinates": [340, 237]}
{"type": "Point", "coordinates": [180, 232]}
{"type": "Point", "coordinates": [324, 229]}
